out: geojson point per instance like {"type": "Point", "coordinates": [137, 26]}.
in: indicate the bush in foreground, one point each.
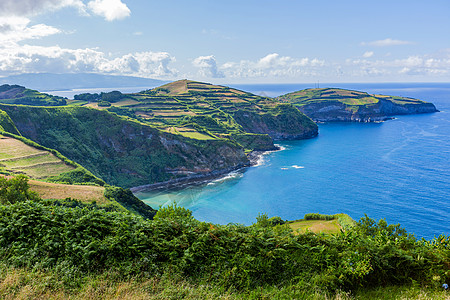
{"type": "Point", "coordinates": [77, 243]}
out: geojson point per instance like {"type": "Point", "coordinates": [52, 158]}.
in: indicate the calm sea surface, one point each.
{"type": "Point", "coordinates": [398, 170]}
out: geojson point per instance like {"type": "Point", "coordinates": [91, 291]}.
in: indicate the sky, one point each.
{"type": "Point", "coordinates": [245, 41]}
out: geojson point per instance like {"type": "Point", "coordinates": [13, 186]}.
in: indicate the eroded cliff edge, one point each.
{"type": "Point", "coordinates": [339, 105]}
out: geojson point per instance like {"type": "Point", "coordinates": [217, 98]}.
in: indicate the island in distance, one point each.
{"type": "Point", "coordinates": [185, 130]}
{"type": "Point", "coordinates": [341, 105]}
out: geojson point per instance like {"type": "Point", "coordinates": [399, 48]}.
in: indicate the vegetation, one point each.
{"type": "Point", "coordinates": [18, 155]}
{"type": "Point", "coordinates": [318, 223]}
{"type": "Point", "coordinates": [203, 111]}
{"type": "Point", "coordinates": [120, 151]}
{"type": "Point", "coordinates": [16, 94]}
{"type": "Point", "coordinates": [180, 129]}
{"type": "Point", "coordinates": [80, 247]}
{"type": "Point", "coordinates": [332, 104]}
{"type": "Point", "coordinates": [348, 97]}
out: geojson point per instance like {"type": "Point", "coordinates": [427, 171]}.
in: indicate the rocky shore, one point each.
{"type": "Point", "coordinates": [254, 159]}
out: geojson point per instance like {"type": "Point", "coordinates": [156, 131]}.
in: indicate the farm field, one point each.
{"type": "Point", "coordinates": [84, 193]}
{"type": "Point", "coordinates": [16, 157]}
{"type": "Point", "coordinates": [316, 226]}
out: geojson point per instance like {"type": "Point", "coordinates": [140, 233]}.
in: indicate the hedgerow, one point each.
{"type": "Point", "coordinates": [81, 240]}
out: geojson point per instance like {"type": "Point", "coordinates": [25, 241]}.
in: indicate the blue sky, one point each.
{"type": "Point", "coordinates": [247, 41]}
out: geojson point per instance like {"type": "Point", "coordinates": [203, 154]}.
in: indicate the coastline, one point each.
{"type": "Point", "coordinates": [254, 157]}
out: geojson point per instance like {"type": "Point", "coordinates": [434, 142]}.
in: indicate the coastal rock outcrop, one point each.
{"type": "Point", "coordinates": [338, 105]}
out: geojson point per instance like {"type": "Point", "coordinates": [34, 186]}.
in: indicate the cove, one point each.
{"type": "Point", "coordinates": [398, 170]}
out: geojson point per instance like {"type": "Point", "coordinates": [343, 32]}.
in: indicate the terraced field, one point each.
{"type": "Point", "coordinates": [84, 193]}
{"type": "Point", "coordinates": [197, 110]}
{"type": "Point", "coordinates": [17, 157]}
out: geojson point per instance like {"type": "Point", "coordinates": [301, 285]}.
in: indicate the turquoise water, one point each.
{"type": "Point", "coordinates": [398, 170]}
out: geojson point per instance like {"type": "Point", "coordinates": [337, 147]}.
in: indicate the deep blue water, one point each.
{"type": "Point", "coordinates": [398, 170]}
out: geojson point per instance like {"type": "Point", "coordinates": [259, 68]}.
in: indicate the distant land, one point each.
{"type": "Point", "coordinates": [342, 105]}
{"type": "Point", "coordinates": [181, 130]}
{"type": "Point", "coordinates": [52, 82]}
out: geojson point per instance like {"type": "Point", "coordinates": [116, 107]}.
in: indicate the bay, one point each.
{"type": "Point", "coordinates": [398, 170]}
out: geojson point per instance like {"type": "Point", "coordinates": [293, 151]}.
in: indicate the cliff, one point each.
{"type": "Point", "coordinates": [202, 110]}
{"type": "Point", "coordinates": [329, 105]}
{"type": "Point", "coordinates": [121, 151]}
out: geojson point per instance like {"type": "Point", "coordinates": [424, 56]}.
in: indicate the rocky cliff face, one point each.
{"type": "Point", "coordinates": [284, 122]}
{"type": "Point", "coordinates": [383, 110]}
{"type": "Point", "coordinates": [123, 152]}
{"type": "Point", "coordinates": [330, 105]}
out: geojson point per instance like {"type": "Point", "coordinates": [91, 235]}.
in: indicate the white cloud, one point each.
{"type": "Point", "coordinates": [16, 29]}
{"type": "Point", "coordinates": [425, 65]}
{"type": "Point", "coordinates": [34, 59]}
{"type": "Point", "coordinates": [368, 54]}
{"type": "Point", "coordinates": [386, 42]}
{"type": "Point", "coordinates": [34, 7]}
{"type": "Point", "coordinates": [207, 66]}
{"type": "Point", "coordinates": [273, 65]}
{"type": "Point", "coordinates": [109, 9]}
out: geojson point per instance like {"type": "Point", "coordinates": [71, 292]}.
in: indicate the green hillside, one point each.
{"type": "Point", "coordinates": [349, 97]}
{"type": "Point", "coordinates": [16, 157]}
{"type": "Point", "coordinates": [333, 104]}
{"type": "Point", "coordinates": [91, 253]}
{"type": "Point", "coordinates": [120, 150]}
{"type": "Point", "coordinates": [206, 112]}
{"type": "Point", "coordinates": [16, 94]}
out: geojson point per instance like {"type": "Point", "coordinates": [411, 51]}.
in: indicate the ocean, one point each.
{"type": "Point", "coordinates": [398, 170]}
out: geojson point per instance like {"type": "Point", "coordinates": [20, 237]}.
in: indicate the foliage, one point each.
{"type": "Point", "coordinates": [113, 96]}
{"type": "Point", "coordinates": [16, 94]}
{"type": "Point", "coordinates": [87, 97]}
{"type": "Point", "coordinates": [6, 124]}
{"type": "Point", "coordinates": [315, 216]}
{"type": "Point", "coordinates": [15, 190]}
{"type": "Point", "coordinates": [126, 198]}
{"type": "Point", "coordinates": [79, 175]}
{"type": "Point", "coordinates": [103, 103]}
{"type": "Point", "coordinates": [120, 151]}
{"type": "Point", "coordinates": [86, 240]}
{"type": "Point", "coordinates": [76, 176]}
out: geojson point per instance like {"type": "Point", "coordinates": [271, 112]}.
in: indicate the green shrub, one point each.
{"type": "Point", "coordinates": [15, 189]}
{"type": "Point", "coordinates": [103, 103]}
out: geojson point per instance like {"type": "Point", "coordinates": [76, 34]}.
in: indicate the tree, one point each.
{"type": "Point", "coordinates": [15, 189]}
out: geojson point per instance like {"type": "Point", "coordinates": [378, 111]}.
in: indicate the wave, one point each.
{"type": "Point", "coordinates": [297, 167]}
{"type": "Point", "coordinates": [232, 175]}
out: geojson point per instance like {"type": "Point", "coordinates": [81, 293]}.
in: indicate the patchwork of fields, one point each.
{"type": "Point", "coordinates": [16, 157]}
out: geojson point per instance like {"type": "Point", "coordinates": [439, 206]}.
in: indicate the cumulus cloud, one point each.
{"type": "Point", "coordinates": [16, 29]}
{"type": "Point", "coordinates": [35, 59]}
{"type": "Point", "coordinates": [368, 54]}
{"type": "Point", "coordinates": [207, 66]}
{"type": "Point", "coordinates": [273, 65]}
{"type": "Point", "coordinates": [34, 7]}
{"type": "Point", "coordinates": [109, 9]}
{"type": "Point", "coordinates": [386, 42]}
{"type": "Point", "coordinates": [412, 65]}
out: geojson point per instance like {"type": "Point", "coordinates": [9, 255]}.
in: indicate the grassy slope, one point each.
{"type": "Point", "coordinates": [204, 111]}
{"type": "Point", "coordinates": [16, 94]}
{"type": "Point", "coordinates": [348, 97]}
{"type": "Point", "coordinates": [121, 151]}
{"type": "Point", "coordinates": [25, 284]}
{"type": "Point", "coordinates": [316, 226]}
{"type": "Point", "coordinates": [16, 157]}
{"type": "Point", "coordinates": [317, 223]}
{"type": "Point", "coordinates": [83, 193]}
